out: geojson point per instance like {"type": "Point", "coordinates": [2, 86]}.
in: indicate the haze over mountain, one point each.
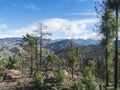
{"type": "Point", "coordinates": [14, 42]}
{"type": "Point", "coordinates": [10, 46]}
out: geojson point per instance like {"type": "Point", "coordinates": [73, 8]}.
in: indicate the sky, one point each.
{"type": "Point", "coordinates": [63, 18]}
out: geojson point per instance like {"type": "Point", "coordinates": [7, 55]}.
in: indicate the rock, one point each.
{"type": "Point", "coordinates": [66, 73]}
{"type": "Point", "coordinates": [15, 73]}
{"type": "Point", "coordinates": [49, 74]}
{"type": "Point", "coordinates": [11, 74]}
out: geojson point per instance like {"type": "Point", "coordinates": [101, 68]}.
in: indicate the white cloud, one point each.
{"type": "Point", "coordinates": [60, 28]}
{"type": "Point", "coordinates": [3, 26]}
{"type": "Point", "coordinates": [22, 31]}
{"type": "Point", "coordinates": [71, 29]}
{"type": "Point", "coordinates": [7, 36]}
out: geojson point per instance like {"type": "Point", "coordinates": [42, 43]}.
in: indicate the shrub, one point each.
{"type": "Point", "coordinates": [61, 77]}
{"type": "Point", "coordinates": [111, 86]}
{"type": "Point", "coordinates": [16, 65]}
{"type": "Point", "coordinates": [38, 78]}
{"type": "Point", "coordinates": [1, 78]}
{"type": "Point", "coordinates": [2, 67]}
{"type": "Point", "coordinates": [11, 63]}
{"type": "Point", "coordinates": [89, 81]}
{"type": "Point", "coordinates": [77, 87]}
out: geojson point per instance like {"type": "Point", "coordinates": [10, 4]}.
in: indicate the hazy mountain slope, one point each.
{"type": "Point", "coordinates": [5, 53]}
{"type": "Point", "coordinates": [88, 50]}
{"type": "Point", "coordinates": [10, 46]}
{"type": "Point", "coordinates": [10, 42]}
{"type": "Point", "coordinates": [86, 42]}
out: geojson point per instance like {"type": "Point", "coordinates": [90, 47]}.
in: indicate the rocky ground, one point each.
{"type": "Point", "coordinates": [15, 80]}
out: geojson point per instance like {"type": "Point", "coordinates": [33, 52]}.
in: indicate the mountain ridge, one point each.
{"type": "Point", "coordinates": [10, 46]}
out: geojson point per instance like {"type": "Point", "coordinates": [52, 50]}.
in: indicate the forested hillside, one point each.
{"type": "Point", "coordinates": [69, 49]}
{"type": "Point", "coordinates": [11, 46]}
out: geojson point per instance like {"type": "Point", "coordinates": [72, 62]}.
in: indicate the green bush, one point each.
{"type": "Point", "coordinates": [38, 78]}
{"type": "Point", "coordinates": [61, 77]}
{"type": "Point", "coordinates": [77, 87]}
{"type": "Point", "coordinates": [1, 78]}
{"type": "Point", "coordinates": [16, 65]}
{"type": "Point", "coordinates": [111, 86]}
{"type": "Point", "coordinates": [88, 80]}
{"type": "Point", "coordinates": [2, 67]}
{"type": "Point", "coordinates": [11, 63]}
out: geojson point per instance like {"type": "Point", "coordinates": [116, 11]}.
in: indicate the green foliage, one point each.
{"type": "Point", "coordinates": [1, 78]}
{"type": "Point", "coordinates": [73, 57]}
{"type": "Point", "coordinates": [100, 68]}
{"type": "Point", "coordinates": [5, 53]}
{"type": "Point", "coordinates": [61, 77]}
{"type": "Point", "coordinates": [77, 87]}
{"type": "Point", "coordinates": [53, 61]}
{"type": "Point", "coordinates": [89, 81]}
{"type": "Point", "coordinates": [2, 65]}
{"type": "Point", "coordinates": [108, 32]}
{"type": "Point", "coordinates": [111, 86]}
{"type": "Point", "coordinates": [11, 63]}
{"type": "Point", "coordinates": [16, 66]}
{"type": "Point", "coordinates": [38, 78]}
{"type": "Point", "coordinates": [29, 46]}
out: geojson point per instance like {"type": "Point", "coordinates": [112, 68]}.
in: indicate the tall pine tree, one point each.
{"type": "Point", "coordinates": [115, 5]}
{"type": "Point", "coordinates": [106, 30]}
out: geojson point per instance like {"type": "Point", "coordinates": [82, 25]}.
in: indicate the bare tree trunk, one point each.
{"type": "Point", "coordinates": [31, 68]}
{"type": "Point", "coordinates": [40, 51]}
{"type": "Point", "coordinates": [37, 63]}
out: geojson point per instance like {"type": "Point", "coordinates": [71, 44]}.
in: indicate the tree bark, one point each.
{"type": "Point", "coordinates": [116, 53]}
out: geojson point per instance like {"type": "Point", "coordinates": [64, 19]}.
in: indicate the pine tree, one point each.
{"type": "Point", "coordinates": [72, 57]}
{"type": "Point", "coordinates": [115, 5]}
{"type": "Point", "coordinates": [106, 30]}
{"type": "Point", "coordinates": [78, 56]}
{"type": "Point", "coordinates": [53, 62]}
{"type": "Point", "coordinates": [30, 46]}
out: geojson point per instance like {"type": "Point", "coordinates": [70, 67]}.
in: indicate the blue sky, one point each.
{"type": "Point", "coordinates": [63, 18]}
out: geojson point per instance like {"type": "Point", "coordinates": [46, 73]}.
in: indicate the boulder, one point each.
{"type": "Point", "coordinates": [66, 73]}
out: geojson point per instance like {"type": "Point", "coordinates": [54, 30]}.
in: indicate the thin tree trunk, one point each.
{"type": "Point", "coordinates": [40, 51]}
{"type": "Point", "coordinates": [31, 71]}
{"type": "Point", "coordinates": [22, 64]}
{"type": "Point", "coordinates": [116, 53]}
{"type": "Point", "coordinates": [106, 67]}
{"type": "Point", "coordinates": [37, 63]}
{"type": "Point", "coordinates": [72, 72]}
{"type": "Point", "coordinates": [106, 51]}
